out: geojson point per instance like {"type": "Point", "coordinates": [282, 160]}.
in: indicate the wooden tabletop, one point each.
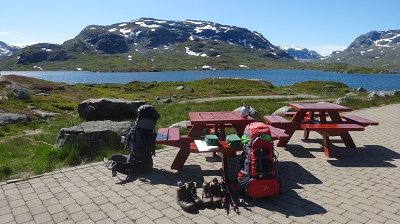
{"type": "Point", "coordinates": [232, 117]}
{"type": "Point", "coordinates": [318, 107]}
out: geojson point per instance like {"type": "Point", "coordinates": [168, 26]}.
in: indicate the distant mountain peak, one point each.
{"type": "Point", "coordinates": [299, 53]}
{"type": "Point", "coordinates": [7, 49]}
{"type": "Point", "coordinates": [375, 49]}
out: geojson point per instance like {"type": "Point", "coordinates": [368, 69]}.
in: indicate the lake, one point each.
{"type": "Point", "coordinates": [370, 82]}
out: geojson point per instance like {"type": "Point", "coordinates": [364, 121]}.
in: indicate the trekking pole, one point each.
{"type": "Point", "coordinates": [233, 202]}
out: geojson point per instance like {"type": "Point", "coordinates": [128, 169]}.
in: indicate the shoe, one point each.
{"type": "Point", "coordinates": [191, 186]}
{"type": "Point", "coordinates": [183, 197]}
{"type": "Point", "coordinates": [217, 193]}
{"type": "Point", "coordinates": [207, 194]}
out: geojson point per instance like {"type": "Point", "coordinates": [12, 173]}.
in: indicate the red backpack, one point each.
{"type": "Point", "coordinates": [258, 174]}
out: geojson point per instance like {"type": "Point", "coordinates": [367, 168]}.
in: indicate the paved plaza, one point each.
{"type": "Point", "coordinates": [359, 185]}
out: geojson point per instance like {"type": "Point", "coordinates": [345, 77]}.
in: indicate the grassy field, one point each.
{"type": "Point", "coordinates": [26, 148]}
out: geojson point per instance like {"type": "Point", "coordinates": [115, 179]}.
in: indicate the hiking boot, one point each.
{"type": "Point", "coordinates": [217, 193]}
{"type": "Point", "coordinates": [191, 186]}
{"type": "Point", "coordinates": [207, 194]}
{"type": "Point", "coordinates": [183, 197]}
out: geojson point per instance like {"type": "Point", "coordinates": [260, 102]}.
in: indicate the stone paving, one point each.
{"type": "Point", "coordinates": [359, 185]}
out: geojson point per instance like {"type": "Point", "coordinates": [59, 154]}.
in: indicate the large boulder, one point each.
{"type": "Point", "coordinates": [22, 94]}
{"type": "Point", "coordinates": [10, 118]}
{"type": "Point", "coordinates": [180, 125]}
{"type": "Point", "coordinates": [108, 109]}
{"type": "Point", "coordinates": [90, 137]}
{"type": "Point", "coordinates": [283, 109]}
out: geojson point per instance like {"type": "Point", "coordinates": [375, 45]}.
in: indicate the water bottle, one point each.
{"type": "Point", "coordinates": [244, 111]}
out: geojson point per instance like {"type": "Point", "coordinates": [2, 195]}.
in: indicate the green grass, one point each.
{"type": "Point", "coordinates": [23, 155]}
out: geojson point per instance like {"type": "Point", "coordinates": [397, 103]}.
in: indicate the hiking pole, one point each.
{"type": "Point", "coordinates": [233, 202]}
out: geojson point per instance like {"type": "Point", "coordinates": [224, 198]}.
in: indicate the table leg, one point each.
{"type": "Point", "coordinates": [327, 145]}
{"type": "Point", "coordinates": [283, 143]}
{"type": "Point", "coordinates": [225, 170]}
{"type": "Point", "coordinates": [306, 134]}
{"type": "Point", "coordinates": [347, 140]}
{"type": "Point", "coordinates": [180, 158]}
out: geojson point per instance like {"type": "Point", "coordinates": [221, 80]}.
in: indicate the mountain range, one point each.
{"type": "Point", "coordinates": [7, 50]}
{"type": "Point", "coordinates": [375, 49]}
{"type": "Point", "coordinates": [148, 44]}
{"type": "Point", "coordinates": [299, 53]}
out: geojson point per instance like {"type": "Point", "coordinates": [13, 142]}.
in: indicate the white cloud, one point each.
{"type": "Point", "coordinates": [9, 33]}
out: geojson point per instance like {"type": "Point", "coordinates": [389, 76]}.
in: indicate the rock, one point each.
{"type": "Point", "coordinates": [91, 136]}
{"type": "Point", "coordinates": [22, 94]}
{"type": "Point", "coordinates": [180, 125]}
{"type": "Point", "coordinates": [44, 114]}
{"type": "Point", "coordinates": [396, 93]}
{"type": "Point", "coordinates": [157, 98]}
{"type": "Point", "coordinates": [252, 113]}
{"type": "Point", "coordinates": [180, 88]}
{"type": "Point", "coordinates": [168, 100]}
{"type": "Point", "coordinates": [382, 94]}
{"type": "Point", "coordinates": [190, 90]}
{"type": "Point", "coordinates": [330, 88]}
{"type": "Point", "coordinates": [351, 94]}
{"type": "Point", "coordinates": [41, 94]}
{"type": "Point", "coordinates": [108, 109]}
{"type": "Point", "coordinates": [61, 88]}
{"type": "Point", "coordinates": [283, 109]}
{"type": "Point", "coordinates": [341, 100]}
{"type": "Point", "coordinates": [10, 118]}
{"type": "Point", "coordinates": [361, 89]}
{"type": "Point", "coordinates": [372, 94]}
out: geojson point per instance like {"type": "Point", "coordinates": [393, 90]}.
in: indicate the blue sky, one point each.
{"type": "Point", "coordinates": [320, 25]}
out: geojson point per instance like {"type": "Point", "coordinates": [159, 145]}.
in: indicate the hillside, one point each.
{"type": "Point", "coordinates": [7, 50]}
{"type": "Point", "coordinates": [148, 44]}
{"type": "Point", "coordinates": [375, 49]}
{"type": "Point", "coordinates": [154, 45]}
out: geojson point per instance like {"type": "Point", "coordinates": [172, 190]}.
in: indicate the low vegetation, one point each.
{"type": "Point", "coordinates": [26, 148]}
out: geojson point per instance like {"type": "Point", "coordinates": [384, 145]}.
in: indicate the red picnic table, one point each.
{"type": "Point", "coordinates": [217, 121]}
{"type": "Point", "coordinates": [324, 118]}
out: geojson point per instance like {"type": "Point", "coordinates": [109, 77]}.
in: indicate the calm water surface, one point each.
{"type": "Point", "coordinates": [276, 77]}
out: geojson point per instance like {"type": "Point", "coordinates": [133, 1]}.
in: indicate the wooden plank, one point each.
{"type": "Point", "coordinates": [167, 135]}
{"type": "Point", "coordinates": [275, 119]}
{"type": "Point", "coordinates": [360, 120]}
{"type": "Point", "coordinates": [222, 147]}
{"type": "Point", "coordinates": [162, 134]}
{"type": "Point", "coordinates": [277, 134]}
{"type": "Point", "coordinates": [290, 113]}
{"type": "Point", "coordinates": [332, 127]}
{"type": "Point", "coordinates": [318, 107]}
{"type": "Point", "coordinates": [173, 134]}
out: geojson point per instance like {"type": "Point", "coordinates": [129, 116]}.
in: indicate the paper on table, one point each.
{"type": "Point", "coordinates": [203, 147]}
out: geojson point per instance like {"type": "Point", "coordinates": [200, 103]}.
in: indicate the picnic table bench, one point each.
{"type": "Point", "coordinates": [305, 119]}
